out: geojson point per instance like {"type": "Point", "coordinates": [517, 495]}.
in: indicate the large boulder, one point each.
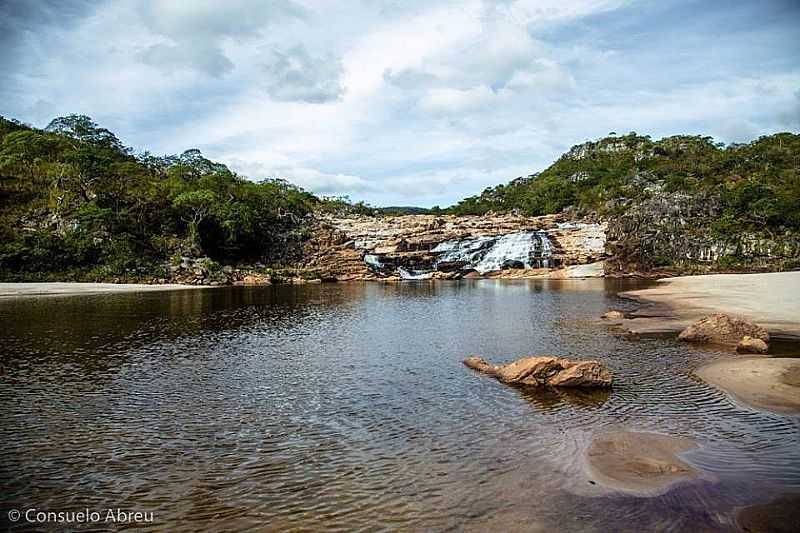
{"type": "Point", "coordinates": [545, 371]}
{"type": "Point", "coordinates": [723, 329]}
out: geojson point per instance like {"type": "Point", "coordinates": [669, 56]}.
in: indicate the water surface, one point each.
{"type": "Point", "coordinates": [346, 407]}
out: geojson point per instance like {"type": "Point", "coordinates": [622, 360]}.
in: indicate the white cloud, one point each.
{"type": "Point", "coordinates": [398, 102]}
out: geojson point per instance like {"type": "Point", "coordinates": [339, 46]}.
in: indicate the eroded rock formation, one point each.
{"type": "Point", "coordinates": [723, 329]}
{"type": "Point", "coordinates": [447, 247]}
{"type": "Point", "coordinates": [545, 371]}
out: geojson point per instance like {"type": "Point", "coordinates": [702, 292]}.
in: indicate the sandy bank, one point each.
{"type": "Point", "coordinates": [766, 383]}
{"type": "Point", "coordinates": [644, 463]}
{"type": "Point", "coordinates": [770, 300]}
{"type": "Point", "coordinates": [11, 290]}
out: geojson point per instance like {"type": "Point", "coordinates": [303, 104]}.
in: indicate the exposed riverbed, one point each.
{"type": "Point", "coordinates": [346, 407]}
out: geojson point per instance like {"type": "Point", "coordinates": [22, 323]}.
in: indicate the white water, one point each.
{"type": "Point", "coordinates": [531, 249]}
{"type": "Point", "coordinates": [373, 261]}
{"type": "Point", "coordinates": [486, 254]}
{"type": "Point", "coordinates": [413, 274]}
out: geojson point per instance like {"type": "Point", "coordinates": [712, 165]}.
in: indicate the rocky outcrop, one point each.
{"type": "Point", "coordinates": [723, 329]}
{"type": "Point", "coordinates": [750, 345]}
{"type": "Point", "coordinates": [447, 247]}
{"type": "Point", "coordinates": [674, 231]}
{"type": "Point", "coordinates": [545, 371]}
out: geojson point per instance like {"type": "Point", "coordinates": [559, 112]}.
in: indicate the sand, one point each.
{"type": "Point", "coordinates": [642, 463]}
{"type": "Point", "coordinates": [12, 290]}
{"type": "Point", "coordinates": [767, 383]}
{"type": "Point", "coordinates": [770, 300]}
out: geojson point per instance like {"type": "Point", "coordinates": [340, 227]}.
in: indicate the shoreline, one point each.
{"type": "Point", "coordinates": [761, 382]}
{"type": "Point", "coordinates": [59, 288]}
{"type": "Point", "coordinates": [674, 303]}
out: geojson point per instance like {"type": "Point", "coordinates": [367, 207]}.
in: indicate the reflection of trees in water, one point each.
{"type": "Point", "coordinates": [85, 330]}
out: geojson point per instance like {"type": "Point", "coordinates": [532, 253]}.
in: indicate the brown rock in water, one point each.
{"type": "Point", "coordinates": [613, 315]}
{"type": "Point", "coordinates": [722, 329]}
{"type": "Point", "coordinates": [750, 345]}
{"type": "Point", "coordinates": [546, 371]}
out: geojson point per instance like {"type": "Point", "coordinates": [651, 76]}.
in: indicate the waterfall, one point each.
{"type": "Point", "coordinates": [524, 249]}
{"type": "Point", "coordinates": [413, 274]}
{"type": "Point", "coordinates": [373, 261]}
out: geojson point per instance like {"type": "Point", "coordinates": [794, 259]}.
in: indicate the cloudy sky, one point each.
{"type": "Point", "coordinates": [401, 102]}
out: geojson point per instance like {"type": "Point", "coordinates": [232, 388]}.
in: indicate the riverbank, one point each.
{"type": "Point", "coordinates": [767, 383]}
{"type": "Point", "coordinates": [14, 290]}
{"type": "Point", "coordinates": [768, 300]}
{"type": "Point", "coordinates": [674, 303]}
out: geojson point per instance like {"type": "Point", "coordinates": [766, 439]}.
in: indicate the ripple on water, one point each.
{"type": "Point", "coordinates": [346, 407]}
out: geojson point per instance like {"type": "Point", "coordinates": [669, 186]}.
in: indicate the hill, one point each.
{"type": "Point", "coordinates": [77, 204]}
{"type": "Point", "coordinates": [676, 202]}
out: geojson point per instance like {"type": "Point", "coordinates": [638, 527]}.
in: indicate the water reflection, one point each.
{"type": "Point", "coordinates": [347, 407]}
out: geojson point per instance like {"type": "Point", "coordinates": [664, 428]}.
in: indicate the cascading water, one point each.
{"type": "Point", "coordinates": [524, 249]}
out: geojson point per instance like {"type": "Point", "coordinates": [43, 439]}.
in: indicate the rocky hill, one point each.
{"type": "Point", "coordinates": [679, 204]}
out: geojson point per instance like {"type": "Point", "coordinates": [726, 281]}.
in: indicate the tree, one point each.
{"type": "Point", "coordinates": [196, 206]}
{"type": "Point", "coordinates": [83, 128]}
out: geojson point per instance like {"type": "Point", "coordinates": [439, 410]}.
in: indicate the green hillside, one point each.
{"type": "Point", "coordinates": [758, 183]}
{"type": "Point", "coordinates": [75, 203]}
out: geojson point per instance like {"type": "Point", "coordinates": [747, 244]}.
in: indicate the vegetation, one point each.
{"type": "Point", "coordinates": [75, 203]}
{"type": "Point", "coordinates": [756, 184]}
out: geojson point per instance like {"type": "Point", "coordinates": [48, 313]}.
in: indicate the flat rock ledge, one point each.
{"type": "Point", "coordinates": [643, 463]}
{"type": "Point", "coordinates": [545, 371]}
{"type": "Point", "coordinates": [728, 330]}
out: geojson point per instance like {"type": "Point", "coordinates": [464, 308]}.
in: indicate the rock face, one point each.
{"type": "Point", "coordinates": [673, 230]}
{"type": "Point", "coordinates": [448, 247]}
{"type": "Point", "coordinates": [545, 371]}
{"type": "Point", "coordinates": [723, 329]}
{"type": "Point", "coordinates": [750, 345]}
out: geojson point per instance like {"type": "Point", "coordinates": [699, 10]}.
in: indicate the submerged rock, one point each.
{"type": "Point", "coordinates": [750, 345]}
{"type": "Point", "coordinates": [722, 329]}
{"type": "Point", "coordinates": [778, 516]}
{"type": "Point", "coordinates": [645, 463]}
{"type": "Point", "coordinates": [545, 371]}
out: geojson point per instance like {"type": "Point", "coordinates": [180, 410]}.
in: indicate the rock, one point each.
{"type": "Point", "coordinates": [545, 371]}
{"type": "Point", "coordinates": [722, 329]}
{"type": "Point", "coordinates": [750, 345]}
{"type": "Point", "coordinates": [227, 269]}
{"type": "Point", "coordinates": [613, 315]}
{"type": "Point", "coordinates": [776, 516]}
{"type": "Point", "coordinates": [368, 248]}
{"type": "Point", "coordinates": [512, 264]}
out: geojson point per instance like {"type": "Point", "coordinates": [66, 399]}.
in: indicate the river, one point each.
{"type": "Point", "coordinates": [345, 407]}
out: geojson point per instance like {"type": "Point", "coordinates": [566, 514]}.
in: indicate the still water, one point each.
{"type": "Point", "coordinates": [345, 407]}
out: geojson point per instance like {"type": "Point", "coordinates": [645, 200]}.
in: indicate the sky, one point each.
{"type": "Point", "coordinates": [401, 102]}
